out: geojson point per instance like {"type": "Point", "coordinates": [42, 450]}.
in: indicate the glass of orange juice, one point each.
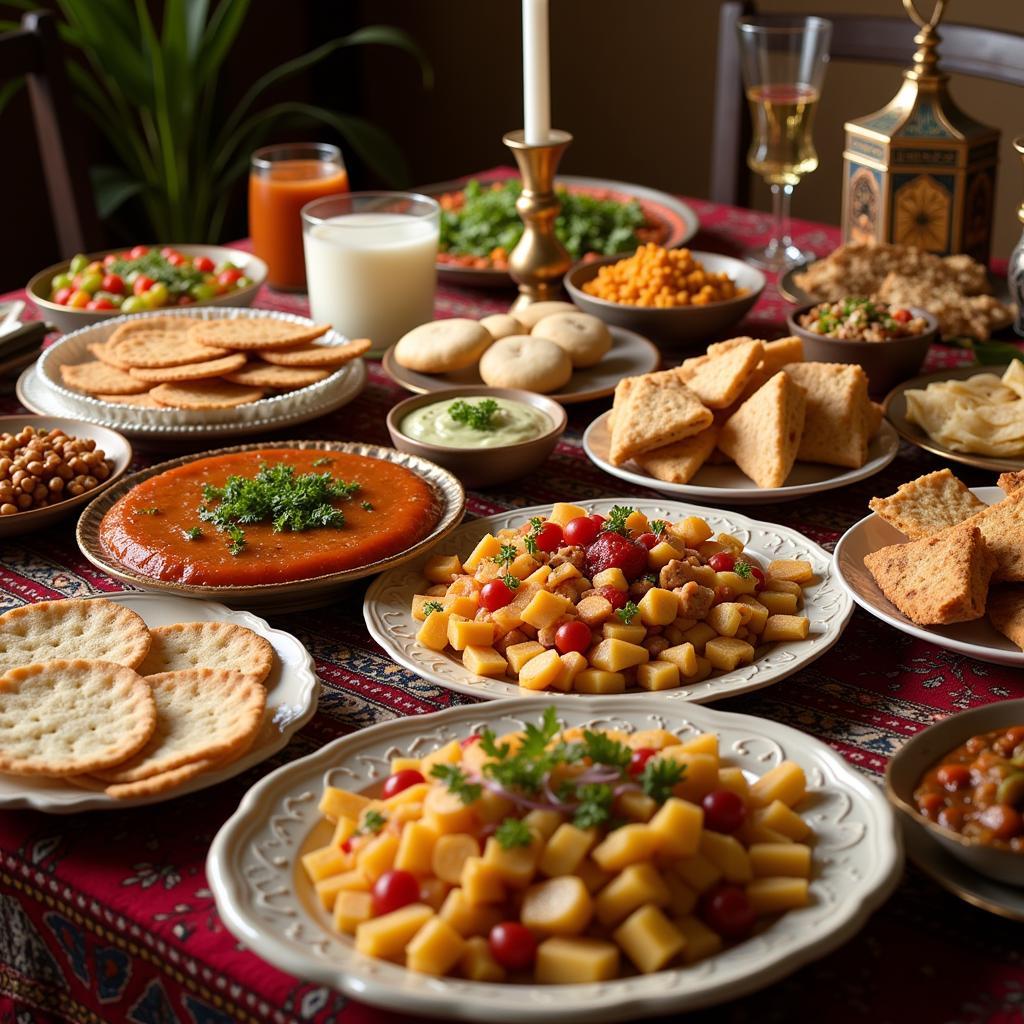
{"type": "Point", "coordinates": [283, 179]}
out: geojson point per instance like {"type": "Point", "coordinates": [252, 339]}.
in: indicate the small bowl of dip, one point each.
{"type": "Point", "coordinates": [483, 435]}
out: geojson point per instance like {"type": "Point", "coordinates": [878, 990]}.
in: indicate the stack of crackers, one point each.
{"type": "Point", "coordinates": [91, 695]}
{"type": "Point", "coordinates": [957, 548]}
{"type": "Point", "coordinates": [752, 402]}
{"type": "Point", "coordinates": [166, 362]}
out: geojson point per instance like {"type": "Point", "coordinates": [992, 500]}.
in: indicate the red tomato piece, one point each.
{"type": "Point", "coordinates": [573, 636]}
{"type": "Point", "coordinates": [79, 299]}
{"type": "Point", "coordinates": [549, 537]}
{"type": "Point", "coordinates": [168, 251]}
{"type": "Point", "coordinates": [639, 758]}
{"type": "Point", "coordinates": [598, 518]}
{"type": "Point", "coordinates": [113, 283]}
{"type": "Point", "coordinates": [1003, 820]}
{"type": "Point", "coordinates": [100, 304]}
{"type": "Point", "coordinates": [395, 783]}
{"type": "Point", "coordinates": [142, 284]}
{"type": "Point", "coordinates": [110, 258]}
{"type": "Point", "coordinates": [726, 910]}
{"type": "Point", "coordinates": [229, 277]}
{"type": "Point", "coordinates": [648, 540]}
{"type": "Point", "coordinates": [758, 578]}
{"type": "Point", "coordinates": [615, 597]}
{"type": "Point", "coordinates": [495, 594]}
{"type": "Point", "coordinates": [393, 890]}
{"type": "Point", "coordinates": [176, 259]}
{"type": "Point", "coordinates": [722, 561]}
{"type": "Point", "coordinates": [724, 810]}
{"type": "Point", "coordinates": [581, 531]}
{"type": "Point", "coordinates": [512, 945]}
{"type": "Point", "coordinates": [137, 251]}
{"type": "Point", "coordinates": [61, 296]}
{"type": "Point", "coordinates": [203, 264]}
{"type": "Point", "coordinates": [903, 316]}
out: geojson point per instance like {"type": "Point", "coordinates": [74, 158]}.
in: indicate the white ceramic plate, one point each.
{"type": "Point", "coordinates": [978, 639]}
{"type": "Point", "coordinates": [386, 607]}
{"type": "Point", "coordinates": [267, 904]}
{"type": "Point", "coordinates": [729, 485]}
{"type": "Point", "coordinates": [42, 389]}
{"type": "Point", "coordinates": [630, 356]}
{"type": "Point", "coordinates": [292, 691]}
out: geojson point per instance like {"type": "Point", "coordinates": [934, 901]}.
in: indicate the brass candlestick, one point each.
{"type": "Point", "coordinates": [539, 261]}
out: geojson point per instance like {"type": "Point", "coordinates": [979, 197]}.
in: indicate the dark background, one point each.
{"type": "Point", "coordinates": [632, 80]}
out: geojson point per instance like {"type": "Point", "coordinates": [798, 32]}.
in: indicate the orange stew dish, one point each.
{"type": "Point", "coordinates": [273, 516]}
{"type": "Point", "coordinates": [977, 790]}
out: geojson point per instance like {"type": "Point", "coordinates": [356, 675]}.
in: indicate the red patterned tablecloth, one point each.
{"type": "Point", "coordinates": [107, 917]}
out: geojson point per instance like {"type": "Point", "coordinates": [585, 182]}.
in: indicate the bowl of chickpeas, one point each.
{"type": "Point", "coordinates": [50, 466]}
{"type": "Point", "coordinates": [672, 296]}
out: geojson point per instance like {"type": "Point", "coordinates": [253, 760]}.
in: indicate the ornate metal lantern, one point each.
{"type": "Point", "coordinates": [920, 171]}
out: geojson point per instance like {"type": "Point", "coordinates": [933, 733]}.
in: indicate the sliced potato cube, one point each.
{"type": "Point", "coordinates": [726, 653]}
{"type": "Point", "coordinates": [487, 547]}
{"type": "Point", "coordinates": [573, 663]}
{"type": "Point", "coordinates": [563, 511]}
{"type": "Point", "coordinates": [327, 889]}
{"type": "Point", "coordinates": [779, 817]}
{"type": "Point", "coordinates": [541, 672]}
{"type": "Point", "coordinates": [450, 854]}
{"type": "Point", "coordinates": [401, 764]}
{"type": "Point", "coordinates": [516, 865]}
{"type": "Point", "coordinates": [442, 568]}
{"type": "Point", "coordinates": [736, 583]}
{"type": "Point", "coordinates": [340, 803]}
{"type": "Point", "coordinates": [557, 906]}
{"type": "Point", "coordinates": [435, 949]}
{"type": "Point", "coordinates": [655, 739]}
{"type": "Point", "coordinates": [545, 609]}
{"type": "Point", "coordinates": [594, 610]}
{"type": "Point", "coordinates": [785, 782]}
{"type": "Point", "coordinates": [637, 522]}
{"type": "Point", "coordinates": [566, 849]}
{"type": "Point", "coordinates": [677, 827]}
{"type": "Point", "coordinates": [786, 627]}
{"type": "Point", "coordinates": [444, 812]}
{"type": "Point", "coordinates": [434, 892]}
{"type": "Point", "coordinates": [614, 629]}
{"type": "Point", "coordinates": [753, 831]}
{"type": "Point", "coordinates": [726, 619]}
{"type": "Point", "coordinates": [593, 877]}
{"type": "Point", "coordinates": [463, 632]}
{"type": "Point", "coordinates": [681, 897]}
{"type": "Point", "coordinates": [793, 569]}
{"type": "Point", "coordinates": [484, 661]}
{"type": "Point", "coordinates": [351, 909]}
{"type": "Point", "coordinates": [626, 845]}
{"type": "Point", "coordinates": [728, 854]}
{"type": "Point", "coordinates": [771, 895]}
{"type": "Point", "coordinates": [649, 939]}
{"type": "Point", "coordinates": [758, 613]}
{"type": "Point", "coordinates": [564, 960]}
{"type": "Point", "coordinates": [506, 619]}
{"type": "Point", "coordinates": [787, 860]}
{"type": "Point", "coordinates": [700, 777]}
{"type": "Point", "coordinates": [728, 541]}
{"type": "Point", "coordinates": [519, 654]}
{"type": "Point", "coordinates": [683, 656]}
{"type": "Point", "coordinates": [327, 860]}
{"type": "Point", "coordinates": [634, 886]}
{"type": "Point", "coordinates": [778, 603]}
{"type": "Point", "coordinates": [377, 856]}
{"type": "Point", "coordinates": [388, 935]}
{"type": "Point", "coordinates": [450, 753]}
{"type": "Point", "coordinates": [433, 634]}
{"type": "Point", "coordinates": [658, 675]}
{"type": "Point", "coordinates": [702, 743]}
{"type": "Point", "coordinates": [698, 636]}
{"type": "Point", "coordinates": [524, 566]}
{"type": "Point", "coordinates": [692, 531]}
{"type": "Point", "coordinates": [658, 607]}
{"type": "Point", "coordinates": [481, 882]}
{"type": "Point", "coordinates": [661, 554]}
{"type": "Point", "coordinates": [468, 918]}
{"type": "Point", "coordinates": [615, 655]}
{"type": "Point", "coordinates": [701, 941]}
{"type": "Point", "coordinates": [697, 872]}
{"type": "Point", "coordinates": [613, 577]}
{"type": "Point", "coordinates": [735, 781]}
{"type": "Point", "coordinates": [541, 576]}
{"type": "Point", "coordinates": [562, 574]}
{"type": "Point", "coordinates": [415, 848]}
{"type": "Point", "coordinates": [344, 828]}
{"type": "Point", "coordinates": [635, 806]}
{"type": "Point", "coordinates": [477, 962]}
{"type": "Point", "coordinates": [544, 822]}
{"type": "Point", "coordinates": [595, 680]}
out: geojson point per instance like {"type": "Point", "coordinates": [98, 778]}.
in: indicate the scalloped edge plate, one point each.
{"type": "Point", "coordinates": [388, 618]}
{"type": "Point", "coordinates": [292, 692]}
{"type": "Point", "coordinates": [253, 870]}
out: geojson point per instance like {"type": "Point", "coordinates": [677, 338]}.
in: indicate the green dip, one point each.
{"type": "Point", "coordinates": [485, 427]}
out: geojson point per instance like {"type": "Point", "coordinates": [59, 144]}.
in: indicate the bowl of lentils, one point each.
{"type": "Point", "coordinates": [889, 342]}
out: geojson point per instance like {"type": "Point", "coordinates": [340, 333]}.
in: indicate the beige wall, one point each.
{"type": "Point", "coordinates": [633, 81]}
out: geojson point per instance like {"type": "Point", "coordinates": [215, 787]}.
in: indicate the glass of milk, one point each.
{"type": "Point", "coordinates": [370, 263]}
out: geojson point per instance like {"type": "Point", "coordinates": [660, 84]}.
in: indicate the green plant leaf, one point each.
{"type": "Point", "coordinates": [221, 32]}
{"type": "Point", "coordinates": [113, 187]}
{"type": "Point", "coordinates": [996, 353]}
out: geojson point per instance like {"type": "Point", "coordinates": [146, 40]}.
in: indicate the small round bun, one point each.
{"type": "Point", "coordinates": [502, 325]}
{"type": "Point", "coordinates": [584, 337]}
{"type": "Point", "coordinates": [530, 315]}
{"type": "Point", "coordinates": [522, 361]}
{"type": "Point", "coordinates": [442, 346]}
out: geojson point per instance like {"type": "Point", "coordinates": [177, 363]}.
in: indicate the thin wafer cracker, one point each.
{"type": "Point", "coordinates": [158, 347]}
{"type": "Point", "coordinates": [208, 645]}
{"type": "Point", "coordinates": [96, 629]}
{"type": "Point", "coordinates": [719, 381]}
{"type": "Point", "coordinates": [154, 784]}
{"type": "Point", "coordinates": [220, 367]}
{"type": "Point", "coordinates": [927, 505]}
{"type": "Point", "coordinates": [201, 714]}
{"type": "Point", "coordinates": [250, 333]}
{"type": "Point", "coordinates": [69, 717]}
{"type": "Point", "coordinates": [266, 375]}
{"type": "Point", "coordinates": [96, 378]}
{"type": "Point", "coordinates": [319, 355]}
{"type": "Point", "coordinates": [101, 350]}
{"type": "Point", "coordinates": [150, 323]}
{"type": "Point", "coordinates": [205, 394]}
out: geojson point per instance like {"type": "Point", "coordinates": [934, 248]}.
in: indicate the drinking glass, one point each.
{"type": "Point", "coordinates": [282, 180]}
{"type": "Point", "coordinates": [783, 63]}
{"type": "Point", "coordinates": [371, 263]}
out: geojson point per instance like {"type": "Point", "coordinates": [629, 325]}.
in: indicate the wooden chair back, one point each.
{"type": "Point", "coordinates": [979, 52]}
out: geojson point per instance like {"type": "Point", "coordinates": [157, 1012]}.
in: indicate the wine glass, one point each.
{"type": "Point", "coordinates": [783, 61]}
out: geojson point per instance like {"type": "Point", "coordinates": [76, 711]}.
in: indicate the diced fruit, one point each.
{"type": "Point", "coordinates": [340, 803]}
{"type": "Point", "coordinates": [661, 554]}
{"type": "Point", "coordinates": [615, 655]}
{"type": "Point", "coordinates": [779, 628]}
{"type": "Point", "coordinates": [415, 848]}
{"type": "Point", "coordinates": [655, 739]}
{"type": "Point", "coordinates": [701, 941]}
{"type": "Point", "coordinates": [351, 909]}
{"type": "Point", "coordinates": [543, 821]}
{"type": "Point", "coordinates": [700, 776]}
{"type": "Point", "coordinates": [387, 936]}
{"type": "Point", "coordinates": [442, 568]}
{"type": "Point", "coordinates": [658, 675]}
{"type": "Point", "coordinates": [627, 845]}
{"type": "Point", "coordinates": [677, 828]}
{"type": "Point", "coordinates": [658, 607]}
{"type": "Point", "coordinates": [728, 854]}
{"type": "Point", "coordinates": [378, 855]}
{"type": "Point", "coordinates": [450, 855]}
{"type": "Point", "coordinates": [631, 888]}
{"type": "Point", "coordinates": [519, 654]}
{"type": "Point", "coordinates": [433, 634]}
{"type": "Point", "coordinates": [464, 632]}
{"type": "Point", "coordinates": [563, 960]}
{"type": "Point", "coordinates": [557, 906]}
{"type": "Point", "coordinates": [772, 895]}
{"type": "Point", "coordinates": [562, 512]}
{"type": "Point", "coordinates": [434, 949]}
{"type": "Point", "coordinates": [593, 680]}
{"type": "Point", "coordinates": [566, 849]}
{"type": "Point", "coordinates": [444, 812]}
{"type": "Point", "coordinates": [785, 782]}
{"type": "Point", "coordinates": [616, 629]}
{"type": "Point", "coordinates": [792, 569]}
{"type": "Point", "coordinates": [681, 898]}
{"type": "Point", "coordinates": [514, 865]}
{"type": "Point", "coordinates": [786, 860]}
{"type": "Point", "coordinates": [477, 962]}
{"type": "Point", "coordinates": [487, 547]}
{"type": "Point", "coordinates": [545, 609]}
{"type": "Point", "coordinates": [697, 872]}
{"type": "Point", "coordinates": [593, 610]}
{"type": "Point", "coordinates": [611, 578]}
{"type": "Point", "coordinates": [481, 882]}
{"type": "Point", "coordinates": [484, 661]}
{"type": "Point", "coordinates": [780, 818]}
{"type": "Point", "coordinates": [572, 665]}
{"type": "Point", "coordinates": [649, 939]}
{"type": "Point", "coordinates": [777, 602]}
{"type": "Point", "coordinates": [327, 860]}
{"type": "Point", "coordinates": [726, 653]}
{"type": "Point", "coordinates": [468, 918]}
{"type": "Point", "coordinates": [541, 672]}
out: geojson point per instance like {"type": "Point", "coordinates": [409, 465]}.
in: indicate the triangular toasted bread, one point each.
{"type": "Point", "coordinates": [719, 381]}
{"type": "Point", "coordinates": [936, 580]}
{"type": "Point", "coordinates": [928, 505]}
{"type": "Point", "coordinates": [763, 436]}
{"type": "Point", "coordinates": [677, 463]}
{"type": "Point", "coordinates": [836, 431]}
{"type": "Point", "coordinates": [1002, 526]}
{"type": "Point", "coordinates": [1006, 612]}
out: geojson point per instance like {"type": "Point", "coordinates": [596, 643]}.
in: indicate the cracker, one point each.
{"type": "Point", "coordinates": [251, 333]}
{"type": "Point", "coordinates": [102, 351]}
{"type": "Point", "coordinates": [143, 324]}
{"type": "Point", "coordinates": [936, 580]}
{"type": "Point", "coordinates": [159, 348]}
{"type": "Point", "coordinates": [660, 410]}
{"type": "Point", "coordinates": [1002, 526]}
{"type": "Point", "coordinates": [1010, 482]}
{"type": "Point", "coordinates": [143, 401]}
{"type": "Point", "coordinates": [1006, 612]}
{"type": "Point", "coordinates": [927, 505]}
{"type": "Point", "coordinates": [96, 629]}
{"type": "Point", "coordinates": [96, 378]}
{"type": "Point", "coordinates": [836, 428]}
{"type": "Point", "coordinates": [284, 378]}
{"type": "Point", "coordinates": [677, 463]}
{"type": "Point", "coordinates": [70, 717]}
{"type": "Point", "coordinates": [205, 394]}
{"type": "Point", "coordinates": [319, 355]}
{"type": "Point", "coordinates": [208, 645]}
{"type": "Point", "coordinates": [220, 367]}
{"type": "Point", "coordinates": [201, 714]}
{"type": "Point", "coordinates": [154, 784]}
{"type": "Point", "coordinates": [874, 413]}
{"type": "Point", "coordinates": [763, 436]}
{"type": "Point", "coordinates": [719, 381]}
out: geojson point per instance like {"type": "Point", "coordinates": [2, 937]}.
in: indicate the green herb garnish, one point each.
{"type": "Point", "coordinates": [510, 581]}
{"type": "Point", "coordinates": [513, 832]}
{"type": "Point", "coordinates": [616, 520]}
{"type": "Point", "coordinates": [530, 541]}
{"type": "Point", "coordinates": [276, 495]}
{"type": "Point", "coordinates": [602, 749]}
{"type": "Point", "coordinates": [527, 768]}
{"type": "Point", "coordinates": [432, 606]}
{"type": "Point", "coordinates": [192, 533]}
{"type": "Point", "coordinates": [372, 822]}
{"type": "Point", "coordinates": [506, 555]}
{"type": "Point", "coordinates": [595, 804]}
{"type": "Point", "coordinates": [659, 776]}
{"type": "Point", "coordinates": [742, 569]}
{"type": "Point", "coordinates": [628, 612]}
{"type": "Point", "coordinates": [476, 417]}
{"type": "Point", "coordinates": [152, 511]}
{"type": "Point", "coordinates": [323, 461]}
{"type": "Point", "coordinates": [366, 506]}
{"type": "Point", "coordinates": [658, 527]}
{"type": "Point", "coordinates": [455, 779]}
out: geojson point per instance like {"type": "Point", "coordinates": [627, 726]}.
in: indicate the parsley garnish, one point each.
{"type": "Point", "coordinates": [528, 767]}
{"type": "Point", "coordinates": [192, 533]}
{"type": "Point", "coordinates": [602, 749]}
{"type": "Point", "coordinates": [323, 461]}
{"type": "Point", "coordinates": [513, 832]}
{"type": "Point", "coordinates": [506, 555]}
{"type": "Point", "coordinates": [742, 569]}
{"type": "Point", "coordinates": [275, 495]}
{"type": "Point", "coordinates": [432, 606]}
{"type": "Point", "coordinates": [616, 519]}
{"type": "Point", "coordinates": [530, 540]}
{"type": "Point", "coordinates": [366, 506]}
{"type": "Point", "coordinates": [658, 527]}
{"type": "Point", "coordinates": [660, 774]}
{"type": "Point", "coordinates": [455, 779]}
{"type": "Point", "coordinates": [510, 581]}
{"type": "Point", "coordinates": [476, 417]}
{"type": "Point", "coordinates": [595, 804]}
{"type": "Point", "coordinates": [152, 511]}
{"type": "Point", "coordinates": [373, 821]}
{"type": "Point", "coordinates": [628, 612]}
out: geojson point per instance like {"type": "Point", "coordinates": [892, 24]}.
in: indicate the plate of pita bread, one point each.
{"type": "Point", "coordinates": [944, 562]}
{"type": "Point", "coordinates": [190, 373]}
{"type": "Point", "coordinates": [749, 422]}
{"type": "Point", "coordinates": [973, 415]}
{"type": "Point", "coordinates": [138, 698]}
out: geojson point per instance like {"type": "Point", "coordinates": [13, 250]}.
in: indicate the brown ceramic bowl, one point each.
{"type": "Point", "coordinates": [887, 363]}
{"type": "Point", "coordinates": [482, 467]}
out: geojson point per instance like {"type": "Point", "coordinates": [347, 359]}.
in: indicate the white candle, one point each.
{"type": "Point", "coordinates": [536, 72]}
